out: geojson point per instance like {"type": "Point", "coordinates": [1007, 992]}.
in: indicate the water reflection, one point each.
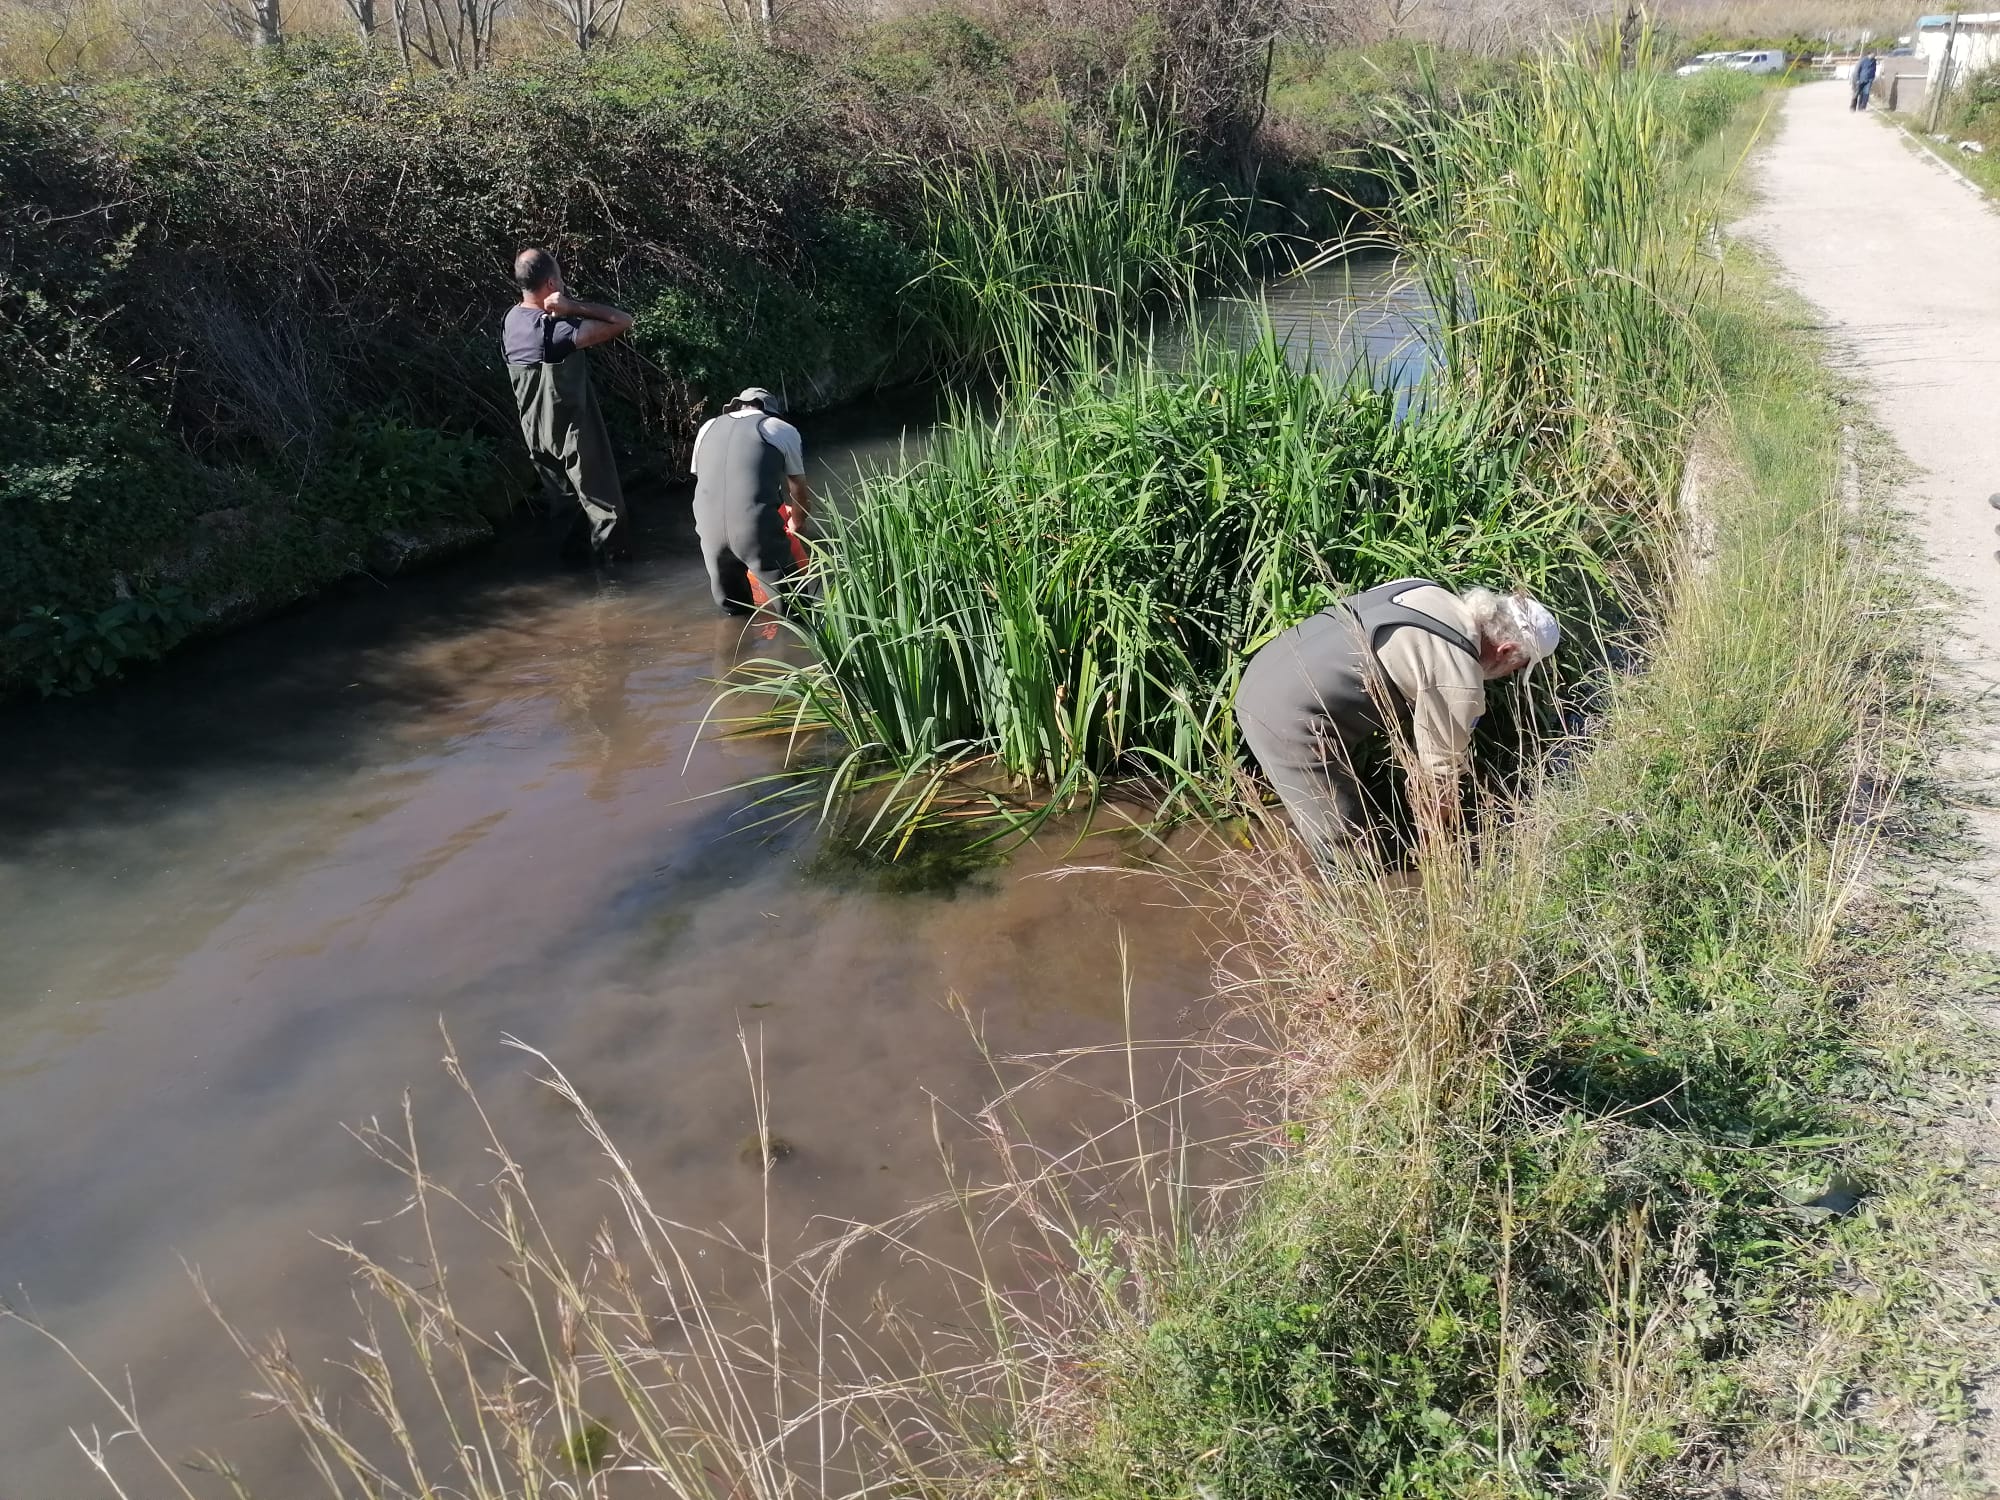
{"type": "Point", "coordinates": [1365, 312]}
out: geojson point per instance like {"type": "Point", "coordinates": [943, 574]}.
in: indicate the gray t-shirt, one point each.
{"type": "Point", "coordinates": [525, 341]}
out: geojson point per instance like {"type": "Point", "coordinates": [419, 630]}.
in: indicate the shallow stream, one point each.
{"type": "Point", "coordinates": [240, 894]}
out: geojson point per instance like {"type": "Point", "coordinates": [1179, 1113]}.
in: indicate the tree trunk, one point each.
{"type": "Point", "coordinates": [365, 21]}
{"type": "Point", "coordinates": [270, 28]}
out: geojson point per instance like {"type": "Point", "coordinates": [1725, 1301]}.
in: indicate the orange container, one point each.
{"type": "Point", "coordinates": [759, 595]}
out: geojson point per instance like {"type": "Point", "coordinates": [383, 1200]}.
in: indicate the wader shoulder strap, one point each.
{"type": "Point", "coordinates": [1377, 613]}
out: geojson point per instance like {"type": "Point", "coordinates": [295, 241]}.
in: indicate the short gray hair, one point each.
{"type": "Point", "coordinates": [1515, 619]}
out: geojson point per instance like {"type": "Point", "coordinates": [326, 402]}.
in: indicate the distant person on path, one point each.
{"type": "Point", "coordinates": [544, 339]}
{"type": "Point", "coordinates": [1864, 80]}
{"type": "Point", "coordinates": [749, 465]}
{"type": "Point", "coordinates": [1408, 659]}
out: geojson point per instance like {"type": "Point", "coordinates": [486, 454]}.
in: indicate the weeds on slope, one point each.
{"type": "Point", "coordinates": [1572, 1136]}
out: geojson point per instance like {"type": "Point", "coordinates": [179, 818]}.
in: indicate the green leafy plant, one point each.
{"type": "Point", "coordinates": [385, 473]}
{"type": "Point", "coordinates": [64, 652]}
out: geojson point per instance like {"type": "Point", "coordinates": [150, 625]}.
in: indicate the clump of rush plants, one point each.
{"type": "Point", "coordinates": [1029, 254]}
{"type": "Point", "coordinates": [1566, 289]}
{"type": "Point", "coordinates": [1066, 594]}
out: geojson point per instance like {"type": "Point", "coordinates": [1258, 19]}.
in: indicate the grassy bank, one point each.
{"type": "Point", "coordinates": [1599, 1166]}
{"type": "Point", "coordinates": [1579, 1141]}
{"type": "Point", "coordinates": [1970, 114]}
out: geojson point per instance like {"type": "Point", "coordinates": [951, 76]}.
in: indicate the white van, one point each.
{"type": "Point", "coordinates": [1703, 61]}
{"type": "Point", "coordinates": [1757, 62]}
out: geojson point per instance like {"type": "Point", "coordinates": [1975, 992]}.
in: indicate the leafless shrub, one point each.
{"type": "Point", "coordinates": [584, 24]}
{"type": "Point", "coordinates": [457, 35]}
{"type": "Point", "coordinates": [257, 23]}
{"type": "Point", "coordinates": [259, 377]}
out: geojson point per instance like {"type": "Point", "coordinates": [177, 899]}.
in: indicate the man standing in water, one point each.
{"type": "Point", "coordinates": [1407, 659]}
{"type": "Point", "coordinates": [747, 464]}
{"type": "Point", "coordinates": [544, 339]}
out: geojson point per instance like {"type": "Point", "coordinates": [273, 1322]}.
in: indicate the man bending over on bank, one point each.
{"type": "Point", "coordinates": [544, 339]}
{"type": "Point", "coordinates": [748, 463]}
{"type": "Point", "coordinates": [1407, 658]}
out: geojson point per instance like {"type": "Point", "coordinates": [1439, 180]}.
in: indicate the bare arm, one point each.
{"type": "Point", "coordinates": [802, 495]}
{"type": "Point", "coordinates": [601, 321]}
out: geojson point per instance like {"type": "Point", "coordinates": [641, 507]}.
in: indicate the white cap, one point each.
{"type": "Point", "coordinates": [756, 395]}
{"type": "Point", "coordinates": [1537, 626]}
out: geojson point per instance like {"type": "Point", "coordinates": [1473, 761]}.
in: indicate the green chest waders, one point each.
{"type": "Point", "coordinates": [566, 438]}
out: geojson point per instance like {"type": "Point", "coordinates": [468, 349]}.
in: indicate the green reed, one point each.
{"type": "Point", "coordinates": [1565, 281]}
{"type": "Point", "coordinates": [1029, 255]}
{"type": "Point", "coordinates": [1068, 593]}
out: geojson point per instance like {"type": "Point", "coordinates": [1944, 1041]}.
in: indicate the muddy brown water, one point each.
{"type": "Point", "coordinates": [240, 894]}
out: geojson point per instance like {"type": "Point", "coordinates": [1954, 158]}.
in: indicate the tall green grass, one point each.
{"type": "Point", "coordinates": [1573, 1140]}
{"type": "Point", "coordinates": [1029, 255]}
{"type": "Point", "coordinates": [1067, 593]}
{"type": "Point", "coordinates": [1566, 284]}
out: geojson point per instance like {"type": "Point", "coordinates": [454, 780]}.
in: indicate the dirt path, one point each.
{"type": "Point", "coordinates": [1903, 260]}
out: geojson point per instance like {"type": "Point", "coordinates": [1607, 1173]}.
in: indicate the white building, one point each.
{"type": "Point", "coordinates": [1957, 53]}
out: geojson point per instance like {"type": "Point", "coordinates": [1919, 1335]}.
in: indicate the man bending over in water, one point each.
{"type": "Point", "coordinates": [749, 468]}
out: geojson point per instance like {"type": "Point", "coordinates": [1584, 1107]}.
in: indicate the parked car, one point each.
{"type": "Point", "coordinates": [1756, 62]}
{"type": "Point", "coordinates": [1702, 62]}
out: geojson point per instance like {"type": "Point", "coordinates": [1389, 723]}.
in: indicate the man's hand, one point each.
{"type": "Point", "coordinates": [1433, 801]}
{"type": "Point", "coordinates": [801, 498]}
{"type": "Point", "coordinates": [600, 322]}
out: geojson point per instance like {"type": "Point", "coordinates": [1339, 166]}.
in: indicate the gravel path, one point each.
{"type": "Point", "coordinates": [1902, 258]}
